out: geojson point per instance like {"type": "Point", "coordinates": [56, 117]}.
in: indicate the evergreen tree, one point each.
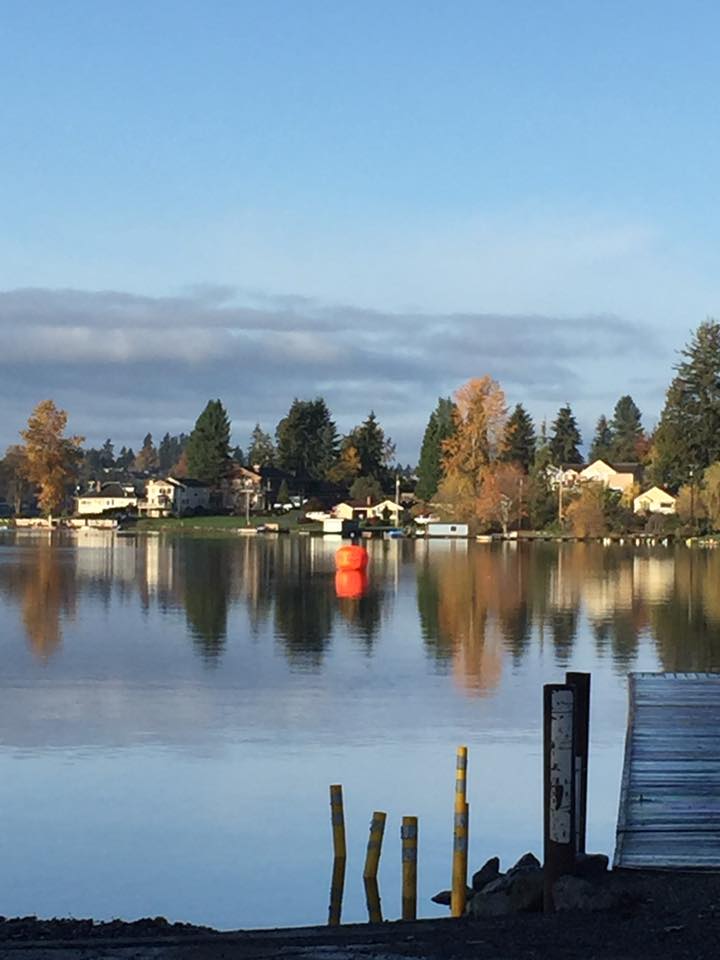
{"type": "Point", "coordinates": [688, 435]}
{"type": "Point", "coordinates": [566, 438]}
{"type": "Point", "coordinates": [519, 439]}
{"type": "Point", "coordinates": [627, 431]}
{"type": "Point", "coordinates": [374, 449]}
{"type": "Point", "coordinates": [261, 452]}
{"type": "Point", "coordinates": [238, 455]}
{"type": "Point", "coordinates": [125, 458]}
{"type": "Point", "coordinates": [602, 444]}
{"type": "Point", "coordinates": [170, 450]}
{"type": "Point", "coordinates": [542, 507]}
{"type": "Point", "coordinates": [307, 439]}
{"type": "Point", "coordinates": [208, 447]}
{"type": "Point", "coordinates": [107, 455]}
{"type": "Point", "coordinates": [147, 460]}
{"type": "Point", "coordinates": [441, 425]}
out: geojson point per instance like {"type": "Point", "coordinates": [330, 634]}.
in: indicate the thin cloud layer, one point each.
{"type": "Point", "coordinates": [125, 364]}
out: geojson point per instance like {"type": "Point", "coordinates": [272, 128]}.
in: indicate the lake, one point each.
{"type": "Point", "coordinates": [174, 709]}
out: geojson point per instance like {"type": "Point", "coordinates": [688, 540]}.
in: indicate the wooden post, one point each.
{"type": "Point", "coordinates": [409, 837]}
{"type": "Point", "coordinates": [372, 861]}
{"type": "Point", "coordinates": [337, 884]}
{"type": "Point", "coordinates": [581, 684]}
{"type": "Point", "coordinates": [460, 837]}
{"type": "Point", "coordinates": [559, 786]}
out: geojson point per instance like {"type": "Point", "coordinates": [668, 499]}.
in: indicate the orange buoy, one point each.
{"type": "Point", "coordinates": [351, 558]}
{"type": "Point", "coordinates": [350, 584]}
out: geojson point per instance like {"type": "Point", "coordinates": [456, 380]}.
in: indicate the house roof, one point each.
{"type": "Point", "coordinates": [186, 482]}
{"type": "Point", "coordinates": [656, 492]}
{"type": "Point", "coordinates": [109, 490]}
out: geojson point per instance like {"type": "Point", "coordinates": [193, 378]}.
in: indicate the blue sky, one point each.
{"type": "Point", "coordinates": [372, 201]}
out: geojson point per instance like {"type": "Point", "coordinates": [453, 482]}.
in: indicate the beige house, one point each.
{"type": "Point", "coordinates": [242, 489]}
{"type": "Point", "coordinates": [174, 497]}
{"type": "Point", "coordinates": [618, 477]}
{"type": "Point", "coordinates": [110, 497]}
{"type": "Point", "coordinates": [654, 500]}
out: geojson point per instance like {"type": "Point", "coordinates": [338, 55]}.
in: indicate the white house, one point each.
{"type": "Point", "coordinates": [110, 496]}
{"type": "Point", "coordinates": [174, 496]}
{"type": "Point", "coordinates": [654, 500]}
{"type": "Point", "coordinates": [362, 510]}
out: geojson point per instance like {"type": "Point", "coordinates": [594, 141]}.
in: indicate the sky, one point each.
{"type": "Point", "coordinates": [372, 202]}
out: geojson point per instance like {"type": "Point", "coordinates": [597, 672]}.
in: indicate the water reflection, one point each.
{"type": "Point", "coordinates": [478, 606]}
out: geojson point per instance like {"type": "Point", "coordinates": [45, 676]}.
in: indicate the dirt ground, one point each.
{"type": "Point", "coordinates": [662, 915]}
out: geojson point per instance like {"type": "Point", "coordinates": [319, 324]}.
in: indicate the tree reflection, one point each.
{"type": "Point", "coordinates": [207, 572]}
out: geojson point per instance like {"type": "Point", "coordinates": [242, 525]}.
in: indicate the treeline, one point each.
{"type": "Point", "coordinates": [478, 462]}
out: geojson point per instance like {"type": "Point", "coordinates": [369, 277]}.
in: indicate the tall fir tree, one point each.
{"type": "Point", "coordinates": [687, 438]}
{"type": "Point", "coordinates": [565, 439]}
{"type": "Point", "coordinates": [208, 447]}
{"type": "Point", "coordinates": [261, 452]}
{"type": "Point", "coordinates": [307, 439]}
{"type": "Point", "coordinates": [519, 439]}
{"type": "Point", "coordinates": [440, 427]}
{"type": "Point", "coordinates": [602, 445]}
{"type": "Point", "coordinates": [374, 449]}
{"type": "Point", "coordinates": [627, 431]}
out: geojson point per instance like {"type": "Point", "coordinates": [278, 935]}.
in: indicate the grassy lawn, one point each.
{"type": "Point", "coordinates": [286, 522]}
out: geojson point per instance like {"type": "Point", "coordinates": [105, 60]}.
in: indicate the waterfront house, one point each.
{"type": "Point", "coordinates": [174, 497]}
{"type": "Point", "coordinates": [107, 498]}
{"type": "Point", "coordinates": [614, 476]}
{"type": "Point", "coordinates": [368, 510]}
{"type": "Point", "coordinates": [654, 500]}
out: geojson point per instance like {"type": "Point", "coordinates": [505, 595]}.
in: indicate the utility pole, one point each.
{"type": "Point", "coordinates": [397, 499]}
{"type": "Point", "coordinates": [560, 496]}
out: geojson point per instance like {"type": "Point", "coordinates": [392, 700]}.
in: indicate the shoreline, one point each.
{"type": "Point", "coordinates": [662, 915]}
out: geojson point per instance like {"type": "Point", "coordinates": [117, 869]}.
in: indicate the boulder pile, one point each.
{"type": "Point", "coordinates": [520, 888]}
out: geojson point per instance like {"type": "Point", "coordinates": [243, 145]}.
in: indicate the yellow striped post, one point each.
{"type": "Point", "coordinates": [372, 861]}
{"type": "Point", "coordinates": [337, 884]}
{"type": "Point", "coordinates": [460, 837]}
{"type": "Point", "coordinates": [409, 837]}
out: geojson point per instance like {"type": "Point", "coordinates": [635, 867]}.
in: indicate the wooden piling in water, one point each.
{"type": "Point", "coordinates": [581, 684]}
{"type": "Point", "coordinates": [559, 806]}
{"type": "Point", "coordinates": [460, 837]}
{"type": "Point", "coordinates": [337, 885]}
{"type": "Point", "coordinates": [372, 861]}
{"type": "Point", "coordinates": [409, 838]}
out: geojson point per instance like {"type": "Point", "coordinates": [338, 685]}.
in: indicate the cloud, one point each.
{"type": "Point", "coordinates": [124, 364]}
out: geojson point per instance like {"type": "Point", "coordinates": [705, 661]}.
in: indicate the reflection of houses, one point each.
{"type": "Point", "coordinates": [174, 497]}
{"type": "Point", "coordinates": [367, 510]}
{"type": "Point", "coordinates": [110, 497]}
{"type": "Point", "coordinates": [654, 500]}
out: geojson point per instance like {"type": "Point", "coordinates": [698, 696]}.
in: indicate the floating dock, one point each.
{"type": "Point", "coordinates": [669, 817]}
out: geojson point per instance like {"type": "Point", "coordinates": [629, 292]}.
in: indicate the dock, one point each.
{"type": "Point", "coordinates": [669, 816]}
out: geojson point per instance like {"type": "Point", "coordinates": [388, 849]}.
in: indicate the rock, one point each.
{"type": "Point", "coordinates": [591, 866]}
{"type": "Point", "coordinates": [486, 874]}
{"type": "Point", "coordinates": [445, 896]}
{"type": "Point", "coordinates": [574, 893]}
{"type": "Point", "coordinates": [527, 862]}
{"type": "Point", "coordinates": [519, 892]}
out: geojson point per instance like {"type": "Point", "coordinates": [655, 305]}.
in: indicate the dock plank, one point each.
{"type": "Point", "coordinates": [669, 815]}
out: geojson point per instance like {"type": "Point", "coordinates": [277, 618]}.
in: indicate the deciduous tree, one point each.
{"type": "Point", "coordinates": [147, 461]}
{"type": "Point", "coordinates": [52, 458]}
{"type": "Point", "coordinates": [501, 495]}
{"type": "Point", "coordinates": [586, 513]}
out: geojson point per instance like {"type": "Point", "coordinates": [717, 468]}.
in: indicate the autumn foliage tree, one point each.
{"type": "Point", "coordinates": [501, 494]}
{"type": "Point", "coordinates": [480, 415]}
{"type": "Point", "coordinates": [586, 514]}
{"type": "Point", "coordinates": [52, 458]}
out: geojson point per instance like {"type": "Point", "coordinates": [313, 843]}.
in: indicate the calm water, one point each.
{"type": "Point", "coordinates": [172, 711]}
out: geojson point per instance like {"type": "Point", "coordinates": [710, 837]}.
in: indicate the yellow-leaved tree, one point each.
{"type": "Point", "coordinates": [51, 457]}
{"type": "Point", "coordinates": [480, 414]}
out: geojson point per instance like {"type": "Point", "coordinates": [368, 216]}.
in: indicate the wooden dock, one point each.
{"type": "Point", "coordinates": [669, 817]}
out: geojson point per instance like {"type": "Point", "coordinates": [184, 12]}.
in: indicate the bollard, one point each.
{"type": "Point", "coordinates": [409, 837]}
{"type": "Point", "coordinates": [460, 837]}
{"type": "Point", "coordinates": [558, 787]}
{"type": "Point", "coordinates": [337, 884]}
{"type": "Point", "coordinates": [581, 684]}
{"type": "Point", "coordinates": [372, 861]}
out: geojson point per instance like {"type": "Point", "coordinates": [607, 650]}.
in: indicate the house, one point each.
{"type": "Point", "coordinates": [617, 476]}
{"type": "Point", "coordinates": [654, 500]}
{"type": "Point", "coordinates": [174, 496]}
{"type": "Point", "coordinates": [447, 530]}
{"type": "Point", "coordinates": [242, 489]}
{"type": "Point", "coordinates": [108, 497]}
{"type": "Point", "coordinates": [367, 510]}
